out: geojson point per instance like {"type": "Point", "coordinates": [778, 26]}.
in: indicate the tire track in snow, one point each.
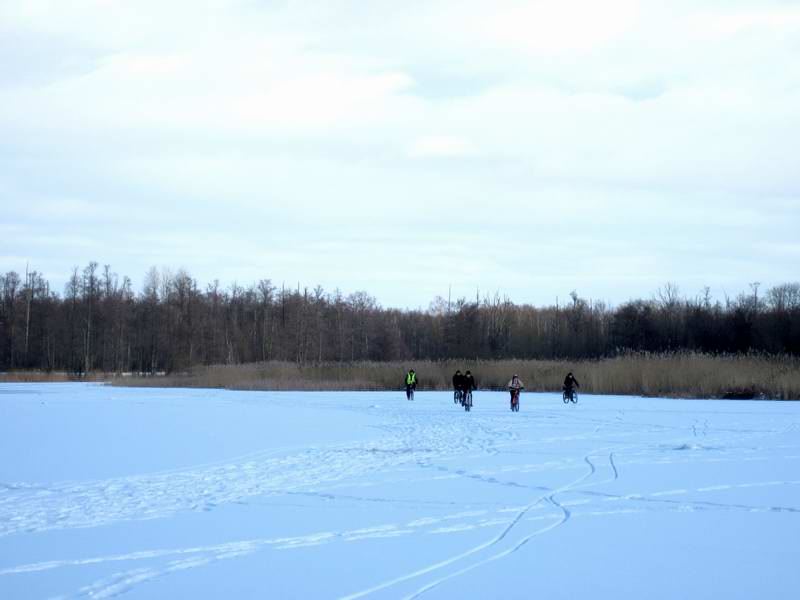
{"type": "Point", "coordinates": [566, 514]}
{"type": "Point", "coordinates": [387, 530]}
{"type": "Point", "coordinates": [497, 539]}
{"type": "Point", "coordinates": [122, 582]}
{"type": "Point", "coordinates": [614, 477]}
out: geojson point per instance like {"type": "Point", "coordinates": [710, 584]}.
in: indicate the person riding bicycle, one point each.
{"type": "Point", "coordinates": [411, 383]}
{"type": "Point", "coordinates": [570, 383]}
{"type": "Point", "coordinates": [568, 390]}
{"type": "Point", "coordinates": [467, 385]}
{"type": "Point", "coordinates": [515, 386]}
{"type": "Point", "coordinates": [458, 385]}
{"type": "Point", "coordinates": [469, 382]}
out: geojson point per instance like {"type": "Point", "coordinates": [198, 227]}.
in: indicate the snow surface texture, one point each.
{"type": "Point", "coordinates": [215, 494]}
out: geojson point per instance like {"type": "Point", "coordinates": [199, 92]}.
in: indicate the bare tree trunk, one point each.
{"type": "Point", "coordinates": [27, 311]}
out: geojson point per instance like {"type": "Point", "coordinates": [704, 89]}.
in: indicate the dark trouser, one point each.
{"type": "Point", "coordinates": [409, 391]}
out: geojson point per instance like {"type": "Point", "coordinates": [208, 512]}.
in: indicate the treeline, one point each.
{"type": "Point", "coordinates": [99, 323]}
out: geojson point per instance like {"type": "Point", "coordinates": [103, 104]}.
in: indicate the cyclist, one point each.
{"type": "Point", "coordinates": [469, 385]}
{"type": "Point", "coordinates": [469, 382]}
{"type": "Point", "coordinates": [458, 386]}
{"type": "Point", "coordinates": [570, 383]}
{"type": "Point", "coordinates": [411, 384]}
{"type": "Point", "coordinates": [514, 387]}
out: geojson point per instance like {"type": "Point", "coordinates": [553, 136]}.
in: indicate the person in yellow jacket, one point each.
{"type": "Point", "coordinates": [411, 384]}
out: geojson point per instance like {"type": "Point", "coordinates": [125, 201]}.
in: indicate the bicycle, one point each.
{"type": "Point", "coordinates": [467, 400]}
{"type": "Point", "coordinates": [458, 397]}
{"type": "Point", "coordinates": [515, 400]}
{"type": "Point", "coordinates": [570, 395]}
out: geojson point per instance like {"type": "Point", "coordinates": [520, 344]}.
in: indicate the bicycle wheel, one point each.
{"type": "Point", "coordinates": [574, 397]}
{"type": "Point", "coordinates": [565, 397]}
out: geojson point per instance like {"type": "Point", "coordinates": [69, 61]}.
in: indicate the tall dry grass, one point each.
{"type": "Point", "coordinates": [677, 375]}
{"type": "Point", "coordinates": [35, 376]}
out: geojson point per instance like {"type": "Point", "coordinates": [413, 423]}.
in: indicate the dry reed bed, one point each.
{"type": "Point", "coordinates": [676, 375]}
{"type": "Point", "coordinates": [33, 376]}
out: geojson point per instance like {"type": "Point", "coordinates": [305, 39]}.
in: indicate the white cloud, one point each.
{"type": "Point", "coordinates": [776, 19]}
{"type": "Point", "coordinates": [550, 28]}
{"type": "Point", "coordinates": [441, 146]}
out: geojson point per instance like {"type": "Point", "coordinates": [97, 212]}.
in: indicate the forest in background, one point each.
{"type": "Point", "coordinates": [100, 324]}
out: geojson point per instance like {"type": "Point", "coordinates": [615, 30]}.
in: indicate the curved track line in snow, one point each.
{"type": "Point", "coordinates": [524, 540]}
{"type": "Point", "coordinates": [389, 530]}
{"type": "Point", "coordinates": [614, 477]}
{"type": "Point", "coordinates": [474, 566]}
{"type": "Point", "coordinates": [124, 581]}
{"type": "Point", "coordinates": [480, 547]}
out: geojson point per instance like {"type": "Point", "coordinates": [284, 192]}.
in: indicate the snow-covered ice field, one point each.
{"type": "Point", "coordinates": [172, 493]}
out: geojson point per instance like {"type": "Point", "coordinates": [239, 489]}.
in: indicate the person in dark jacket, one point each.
{"type": "Point", "coordinates": [458, 386]}
{"type": "Point", "coordinates": [570, 382]}
{"type": "Point", "coordinates": [469, 382]}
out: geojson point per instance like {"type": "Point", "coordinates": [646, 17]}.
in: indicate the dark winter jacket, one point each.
{"type": "Point", "coordinates": [570, 381]}
{"type": "Point", "coordinates": [469, 383]}
{"type": "Point", "coordinates": [458, 381]}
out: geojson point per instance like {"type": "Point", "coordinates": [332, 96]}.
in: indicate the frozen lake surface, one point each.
{"type": "Point", "coordinates": [171, 493]}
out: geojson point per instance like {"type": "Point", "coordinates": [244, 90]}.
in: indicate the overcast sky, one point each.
{"type": "Point", "coordinates": [405, 147]}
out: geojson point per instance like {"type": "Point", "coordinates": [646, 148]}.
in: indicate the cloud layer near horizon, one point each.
{"type": "Point", "coordinates": [531, 147]}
